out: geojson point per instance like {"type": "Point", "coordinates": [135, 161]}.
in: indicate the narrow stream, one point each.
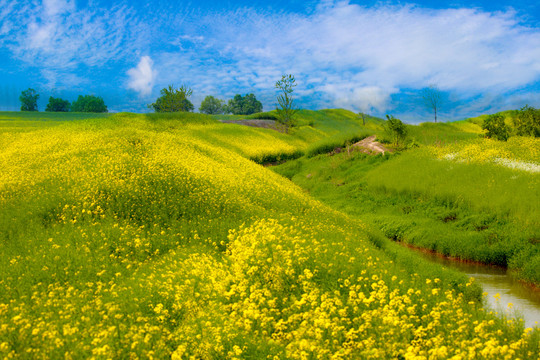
{"type": "Point", "coordinates": [494, 280]}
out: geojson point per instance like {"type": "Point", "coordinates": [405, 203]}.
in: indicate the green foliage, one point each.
{"type": "Point", "coordinates": [173, 100]}
{"type": "Point", "coordinates": [29, 99]}
{"type": "Point", "coordinates": [89, 103]}
{"type": "Point", "coordinates": [285, 109]}
{"type": "Point", "coordinates": [244, 105]}
{"type": "Point", "coordinates": [397, 130]}
{"type": "Point", "coordinates": [496, 128]}
{"type": "Point", "coordinates": [527, 122]}
{"type": "Point", "coordinates": [58, 105]}
{"type": "Point", "coordinates": [212, 106]}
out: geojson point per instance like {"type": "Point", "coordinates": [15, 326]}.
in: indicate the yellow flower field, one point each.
{"type": "Point", "coordinates": [122, 240]}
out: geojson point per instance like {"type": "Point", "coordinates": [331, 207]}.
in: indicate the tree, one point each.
{"type": "Point", "coordinates": [527, 122]}
{"type": "Point", "coordinates": [211, 105]}
{"type": "Point", "coordinates": [173, 100]}
{"type": "Point", "coordinates": [244, 105]}
{"type": "Point", "coordinates": [89, 103]}
{"type": "Point", "coordinates": [363, 116]}
{"type": "Point", "coordinates": [285, 109]}
{"type": "Point", "coordinates": [433, 99]}
{"type": "Point", "coordinates": [496, 127]}
{"type": "Point", "coordinates": [397, 130]}
{"type": "Point", "coordinates": [29, 99]}
{"type": "Point", "coordinates": [57, 105]}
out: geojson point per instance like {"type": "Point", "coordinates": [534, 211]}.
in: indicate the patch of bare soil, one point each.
{"type": "Point", "coordinates": [260, 123]}
{"type": "Point", "coordinates": [370, 146]}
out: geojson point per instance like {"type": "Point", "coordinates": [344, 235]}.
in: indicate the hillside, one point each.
{"type": "Point", "coordinates": [143, 236]}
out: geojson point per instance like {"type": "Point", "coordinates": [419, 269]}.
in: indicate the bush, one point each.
{"type": "Point", "coordinates": [527, 122]}
{"type": "Point", "coordinates": [496, 127]}
{"type": "Point", "coordinates": [397, 130]}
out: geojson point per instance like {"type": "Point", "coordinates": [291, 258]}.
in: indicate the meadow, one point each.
{"type": "Point", "coordinates": [150, 236]}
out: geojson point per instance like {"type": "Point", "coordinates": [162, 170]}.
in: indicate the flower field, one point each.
{"type": "Point", "coordinates": [136, 238]}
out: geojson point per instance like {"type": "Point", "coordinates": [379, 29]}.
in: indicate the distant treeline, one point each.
{"type": "Point", "coordinates": [86, 103]}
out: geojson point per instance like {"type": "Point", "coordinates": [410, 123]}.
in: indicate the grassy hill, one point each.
{"type": "Point", "coordinates": [147, 236]}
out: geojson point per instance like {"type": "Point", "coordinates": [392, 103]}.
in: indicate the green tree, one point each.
{"type": "Point", "coordinates": [29, 99]}
{"type": "Point", "coordinates": [433, 99]}
{"type": "Point", "coordinates": [363, 117]}
{"type": "Point", "coordinates": [212, 105]}
{"type": "Point", "coordinates": [89, 103]}
{"type": "Point", "coordinates": [285, 109]}
{"type": "Point", "coordinates": [496, 127]}
{"type": "Point", "coordinates": [397, 129]}
{"type": "Point", "coordinates": [244, 105]}
{"type": "Point", "coordinates": [527, 122]}
{"type": "Point", "coordinates": [173, 100]}
{"type": "Point", "coordinates": [57, 105]}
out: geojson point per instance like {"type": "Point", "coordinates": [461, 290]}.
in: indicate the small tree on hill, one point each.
{"type": "Point", "coordinates": [28, 100]}
{"type": "Point", "coordinates": [173, 100]}
{"type": "Point", "coordinates": [57, 105]}
{"type": "Point", "coordinates": [433, 99]}
{"type": "Point", "coordinates": [285, 109]}
{"type": "Point", "coordinates": [89, 103]}
{"type": "Point", "coordinates": [527, 122]}
{"type": "Point", "coordinates": [211, 105]}
{"type": "Point", "coordinates": [244, 105]}
{"type": "Point", "coordinates": [496, 127]}
{"type": "Point", "coordinates": [397, 130]}
{"type": "Point", "coordinates": [363, 117]}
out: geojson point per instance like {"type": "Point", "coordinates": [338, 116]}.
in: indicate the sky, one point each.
{"type": "Point", "coordinates": [368, 56]}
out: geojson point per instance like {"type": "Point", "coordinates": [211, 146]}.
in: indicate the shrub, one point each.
{"type": "Point", "coordinates": [496, 127]}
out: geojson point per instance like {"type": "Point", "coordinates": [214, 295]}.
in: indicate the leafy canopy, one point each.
{"type": "Point", "coordinates": [89, 103]}
{"type": "Point", "coordinates": [211, 105]}
{"type": "Point", "coordinates": [244, 105]}
{"type": "Point", "coordinates": [57, 105]}
{"type": "Point", "coordinates": [29, 99]}
{"type": "Point", "coordinates": [173, 100]}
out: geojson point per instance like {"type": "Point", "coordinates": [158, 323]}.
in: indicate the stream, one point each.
{"type": "Point", "coordinates": [525, 302]}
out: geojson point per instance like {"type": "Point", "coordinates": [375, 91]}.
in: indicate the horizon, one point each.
{"type": "Point", "coordinates": [374, 58]}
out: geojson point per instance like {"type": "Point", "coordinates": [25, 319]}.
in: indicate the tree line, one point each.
{"type": "Point", "coordinates": [86, 103]}
{"type": "Point", "coordinates": [173, 99]}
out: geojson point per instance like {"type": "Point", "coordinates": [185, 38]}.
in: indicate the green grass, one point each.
{"type": "Point", "coordinates": [462, 210]}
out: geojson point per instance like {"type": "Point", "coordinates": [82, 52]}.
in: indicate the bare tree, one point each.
{"type": "Point", "coordinates": [432, 99]}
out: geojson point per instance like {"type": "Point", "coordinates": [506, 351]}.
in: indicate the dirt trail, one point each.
{"type": "Point", "coordinates": [370, 146]}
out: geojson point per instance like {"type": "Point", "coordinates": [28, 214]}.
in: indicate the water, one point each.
{"type": "Point", "coordinates": [525, 302]}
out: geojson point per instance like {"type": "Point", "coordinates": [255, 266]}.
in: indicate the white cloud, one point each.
{"type": "Point", "coordinates": [55, 36]}
{"type": "Point", "coordinates": [142, 77]}
{"type": "Point", "coordinates": [360, 56]}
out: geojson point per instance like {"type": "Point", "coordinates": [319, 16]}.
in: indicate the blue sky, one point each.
{"type": "Point", "coordinates": [369, 56]}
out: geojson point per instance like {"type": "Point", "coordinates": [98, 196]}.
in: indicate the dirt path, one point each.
{"type": "Point", "coordinates": [370, 146]}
